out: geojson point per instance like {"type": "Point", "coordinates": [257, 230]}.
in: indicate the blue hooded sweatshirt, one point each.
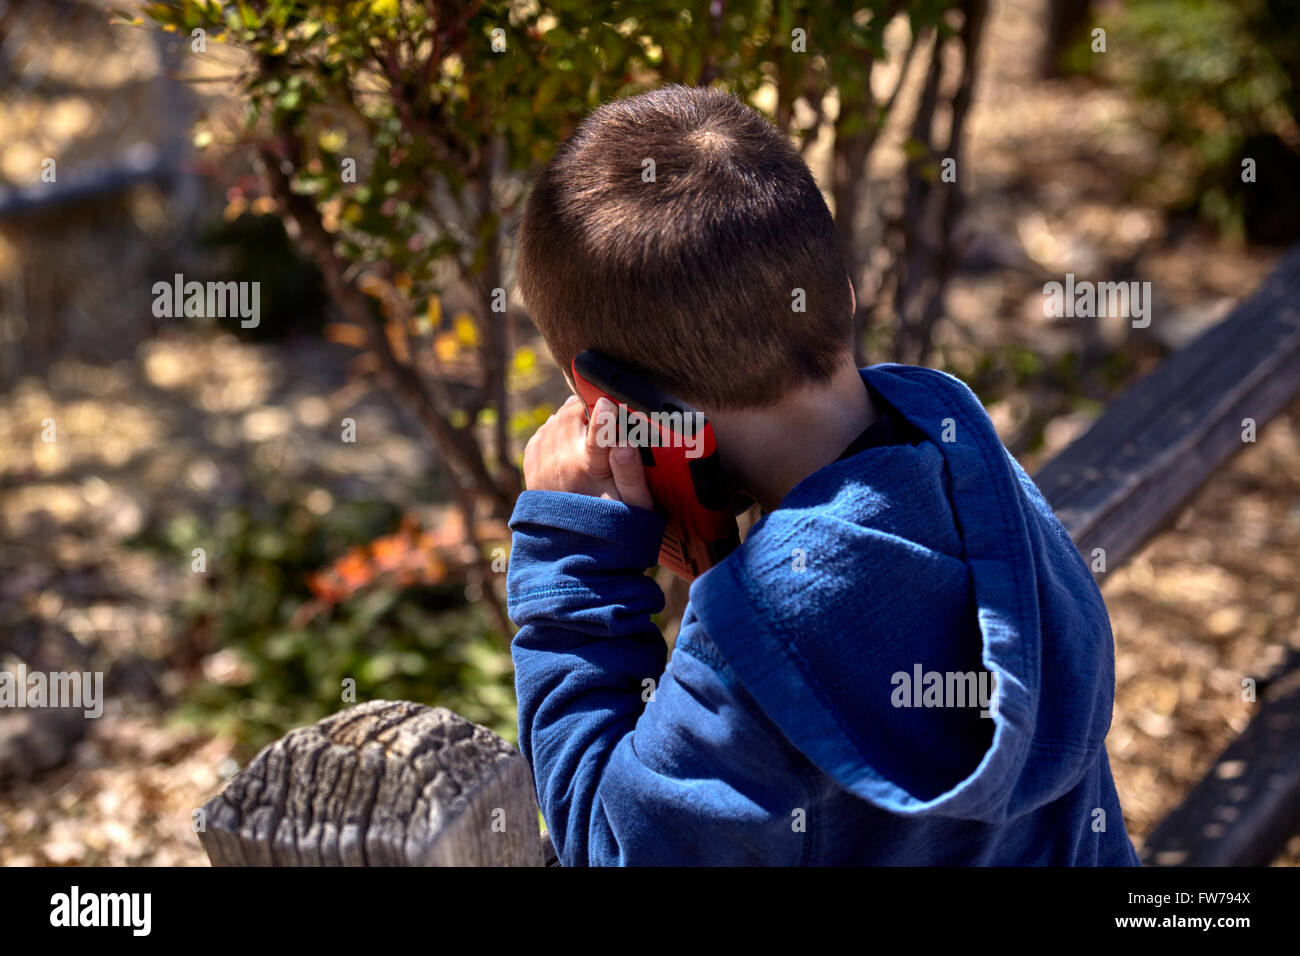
{"type": "Point", "coordinates": [822, 703]}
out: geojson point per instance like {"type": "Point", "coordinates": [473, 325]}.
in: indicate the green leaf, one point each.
{"type": "Point", "coordinates": [558, 37]}
{"type": "Point", "coordinates": [546, 92]}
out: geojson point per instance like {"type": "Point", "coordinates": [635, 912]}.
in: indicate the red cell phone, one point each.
{"type": "Point", "coordinates": [680, 455]}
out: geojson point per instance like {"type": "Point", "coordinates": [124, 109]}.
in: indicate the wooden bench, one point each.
{"type": "Point", "coordinates": [397, 783]}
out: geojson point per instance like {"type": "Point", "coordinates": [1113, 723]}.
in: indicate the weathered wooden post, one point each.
{"type": "Point", "coordinates": [385, 783]}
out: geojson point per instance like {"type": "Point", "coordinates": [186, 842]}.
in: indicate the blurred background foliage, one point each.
{"type": "Point", "coordinates": [256, 248]}
{"type": "Point", "coordinates": [1223, 80]}
{"type": "Point", "coordinates": [275, 655]}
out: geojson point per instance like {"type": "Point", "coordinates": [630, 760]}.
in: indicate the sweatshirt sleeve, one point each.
{"type": "Point", "coordinates": [635, 763]}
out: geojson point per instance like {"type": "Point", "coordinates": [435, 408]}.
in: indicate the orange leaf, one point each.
{"type": "Point", "coordinates": [354, 568]}
{"type": "Point", "coordinates": [345, 333]}
{"type": "Point", "coordinates": [397, 340]}
{"type": "Point", "coordinates": [390, 553]}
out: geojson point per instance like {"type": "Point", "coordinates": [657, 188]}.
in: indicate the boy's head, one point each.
{"type": "Point", "coordinates": [672, 231]}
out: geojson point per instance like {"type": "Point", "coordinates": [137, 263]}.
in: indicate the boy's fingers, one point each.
{"type": "Point", "coordinates": [629, 476]}
{"type": "Point", "coordinates": [596, 455]}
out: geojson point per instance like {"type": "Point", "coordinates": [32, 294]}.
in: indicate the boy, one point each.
{"type": "Point", "coordinates": [905, 662]}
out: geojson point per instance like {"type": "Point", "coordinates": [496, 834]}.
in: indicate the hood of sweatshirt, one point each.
{"type": "Point", "coordinates": [859, 613]}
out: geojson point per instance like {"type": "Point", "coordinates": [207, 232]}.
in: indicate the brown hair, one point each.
{"type": "Point", "coordinates": [691, 275]}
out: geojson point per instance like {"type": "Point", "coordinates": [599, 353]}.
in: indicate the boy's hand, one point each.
{"type": "Point", "coordinates": [563, 455]}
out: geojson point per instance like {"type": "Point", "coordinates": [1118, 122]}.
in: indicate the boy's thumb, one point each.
{"type": "Point", "coordinates": [629, 477]}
